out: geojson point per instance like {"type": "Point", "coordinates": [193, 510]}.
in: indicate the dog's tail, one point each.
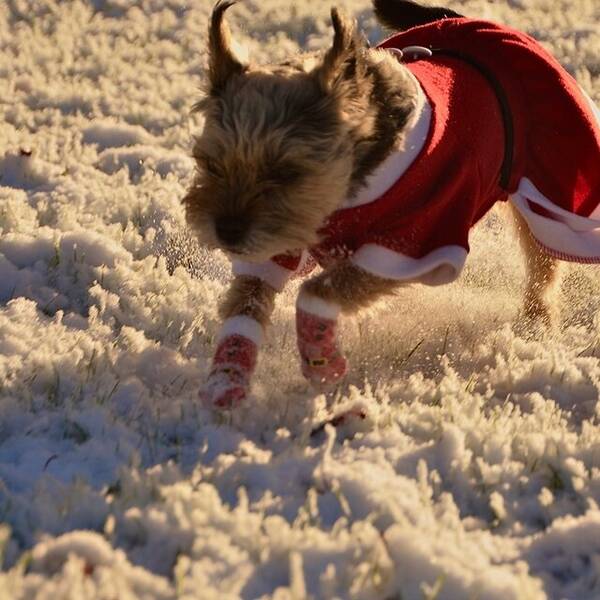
{"type": "Point", "coordinates": [404, 14]}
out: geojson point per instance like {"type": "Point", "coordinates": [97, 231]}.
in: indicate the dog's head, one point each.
{"type": "Point", "coordinates": [279, 147]}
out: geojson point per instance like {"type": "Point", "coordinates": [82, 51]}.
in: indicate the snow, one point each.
{"type": "Point", "coordinates": [476, 472]}
{"type": "Point", "coordinates": [112, 134]}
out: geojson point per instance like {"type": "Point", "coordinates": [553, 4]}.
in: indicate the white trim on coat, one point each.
{"type": "Point", "coordinates": [440, 266]}
{"type": "Point", "coordinates": [395, 165]}
{"type": "Point", "coordinates": [567, 236]}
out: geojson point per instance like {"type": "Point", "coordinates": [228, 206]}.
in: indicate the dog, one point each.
{"type": "Point", "coordinates": [375, 163]}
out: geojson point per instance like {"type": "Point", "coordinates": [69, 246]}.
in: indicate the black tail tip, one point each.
{"type": "Point", "coordinates": [404, 14]}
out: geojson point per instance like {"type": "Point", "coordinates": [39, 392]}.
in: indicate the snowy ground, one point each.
{"type": "Point", "coordinates": [477, 473]}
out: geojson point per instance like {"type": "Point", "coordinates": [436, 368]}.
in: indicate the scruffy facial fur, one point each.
{"type": "Point", "coordinates": [282, 148]}
{"type": "Point", "coordinates": [284, 145]}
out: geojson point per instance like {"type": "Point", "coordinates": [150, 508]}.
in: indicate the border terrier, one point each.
{"type": "Point", "coordinates": [374, 163]}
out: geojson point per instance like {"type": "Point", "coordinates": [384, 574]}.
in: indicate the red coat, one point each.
{"type": "Point", "coordinates": [419, 227]}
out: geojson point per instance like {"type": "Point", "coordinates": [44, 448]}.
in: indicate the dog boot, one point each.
{"type": "Point", "coordinates": [316, 326]}
{"type": "Point", "coordinates": [233, 364]}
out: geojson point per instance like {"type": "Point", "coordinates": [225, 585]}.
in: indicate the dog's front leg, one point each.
{"type": "Point", "coordinates": [246, 311]}
{"type": "Point", "coordinates": [345, 288]}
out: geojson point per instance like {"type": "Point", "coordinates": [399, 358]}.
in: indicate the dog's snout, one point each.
{"type": "Point", "coordinates": [231, 230]}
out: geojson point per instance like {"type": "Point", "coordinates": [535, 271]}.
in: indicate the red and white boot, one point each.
{"type": "Point", "coordinates": [316, 327]}
{"type": "Point", "coordinates": [233, 364]}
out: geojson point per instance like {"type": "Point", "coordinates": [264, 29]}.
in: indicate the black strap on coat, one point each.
{"type": "Point", "coordinates": [507, 118]}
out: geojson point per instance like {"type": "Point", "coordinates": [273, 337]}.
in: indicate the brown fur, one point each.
{"type": "Point", "coordinates": [284, 145]}
{"type": "Point", "coordinates": [222, 62]}
{"type": "Point", "coordinates": [349, 286]}
{"type": "Point", "coordinates": [251, 297]}
{"type": "Point", "coordinates": [542, 276]}
{"type": "Point", "coordinates": [264, 134]}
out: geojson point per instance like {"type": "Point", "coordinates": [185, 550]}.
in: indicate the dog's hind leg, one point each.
{"type": "Point", "coordinates": [542, 278]}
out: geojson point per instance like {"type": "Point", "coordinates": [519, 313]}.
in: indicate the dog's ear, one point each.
{"type": "Point", "coordinates": [222, 61]}
{"type": "Point", "coordinates": [343, 59]}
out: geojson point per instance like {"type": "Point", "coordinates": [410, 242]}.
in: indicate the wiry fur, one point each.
{"type": "Point", "coordinates": [543, 274]}
{"type": "Point", "coordinates": [271, 154]}
{"type": "Point", "coordinates": [284, 145]}
{"type": "Point", "coordinates": [222, 61]}
{"type": "Point", "coordinates": [349, 287]}
{"type": "Point", "coordinates": [251, 297]}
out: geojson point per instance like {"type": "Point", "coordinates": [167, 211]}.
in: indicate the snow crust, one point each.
{"type": "Point", "coordinates": [476, 473]}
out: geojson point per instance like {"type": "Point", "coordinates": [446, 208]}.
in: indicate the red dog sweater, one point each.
{"type": "Point", "coordinates": [412, 220]}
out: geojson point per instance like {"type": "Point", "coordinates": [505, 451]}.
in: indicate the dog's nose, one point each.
{"type": "Point", "coordinates": [230, 230]}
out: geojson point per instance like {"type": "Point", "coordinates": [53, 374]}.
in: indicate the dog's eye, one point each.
{"type": "Point", "coordinates": [284, 174]}
{"type": "Point", "coordinates": [210, 166]}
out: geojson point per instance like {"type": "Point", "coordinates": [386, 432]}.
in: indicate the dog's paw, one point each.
{"type": "Point", "coordinates": [228, 383]}
{"type": "Point", "coordinates": [322, 362]}
{"type": "Point", "coordinates": [324, 371]}
{"type": "Point", "coordinates": [225, 389]}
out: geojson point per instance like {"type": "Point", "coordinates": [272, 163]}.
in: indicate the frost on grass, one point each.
{"type": "Point", "coordinates": [476, 473]}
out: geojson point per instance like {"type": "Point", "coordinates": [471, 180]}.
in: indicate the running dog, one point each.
{"type": "Point", "coordinates": [375, 163]}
